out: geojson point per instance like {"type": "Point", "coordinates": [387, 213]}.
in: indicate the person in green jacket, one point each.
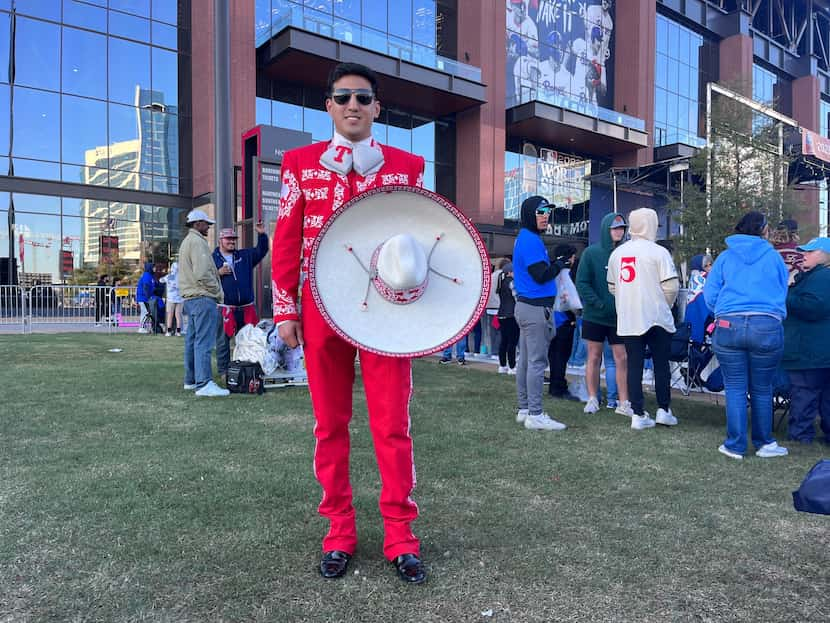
{"type": "Point", "coordinates": [599, 313]}
{"type": "Point", "coordinates": [807, 343]}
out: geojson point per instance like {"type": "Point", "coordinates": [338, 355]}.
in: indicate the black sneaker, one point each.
{"type": "Point", "coordinates": [462, 362]}
{"type": "Point", "coordinates": [445, 361]}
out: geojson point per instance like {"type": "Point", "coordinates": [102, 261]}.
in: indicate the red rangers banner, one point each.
{"type": "Point", "coordinates": [813, 144]}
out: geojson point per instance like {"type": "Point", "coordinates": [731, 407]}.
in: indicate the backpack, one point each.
{"type": "Point", "coordinates": [245, 377]}
{"type": "Point", "coordinates": [813, 496]}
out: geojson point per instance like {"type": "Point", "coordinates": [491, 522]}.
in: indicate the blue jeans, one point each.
{"type": "Point", "coordinates": [610, 372]}
{"type": "Point", "coordinates": [579, 352]}
{"type": "Point", "coordinates": [748, 349]}
{"type": "Point", "coordinates": [460, 347]}
{"type": "Point", "coordinates": [200, 339]}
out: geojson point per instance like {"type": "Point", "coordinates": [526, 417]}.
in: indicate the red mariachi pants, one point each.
{"type": "Point", "coordinates": [388, 385]}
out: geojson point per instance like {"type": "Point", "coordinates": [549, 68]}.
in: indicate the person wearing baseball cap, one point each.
{"type": "Point", "coordinates": [201, 290]}
{"type": "Point", "coordinates": [785, 240]}
{"type": "Point", "coordinates": [807, 344]}
{"type": "Point", "coordinates": [236, 273]}
{"type": "Point", "coordinates": [599, 316]}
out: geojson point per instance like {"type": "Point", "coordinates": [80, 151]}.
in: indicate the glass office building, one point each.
{"type": "Point", "coordinates": [90, 98]}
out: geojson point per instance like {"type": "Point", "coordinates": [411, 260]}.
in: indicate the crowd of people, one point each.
{"type": "Point", "coordinates": [763, 306]}
{"type": "Point", "coordinates": [768, 309]}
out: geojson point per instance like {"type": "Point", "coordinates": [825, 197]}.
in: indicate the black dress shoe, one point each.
{"type": "Point", "coordinates": [333, 564]}
{"type": "Point", "coordinates": [410, 568]}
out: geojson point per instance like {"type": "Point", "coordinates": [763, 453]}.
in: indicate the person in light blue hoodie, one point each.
{"type": "Point", "coordinates": [747, 292]}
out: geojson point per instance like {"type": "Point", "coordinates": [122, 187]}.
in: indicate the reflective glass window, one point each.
{"type": "Point", "coordinates": [39, 169]}
{"type": "Point", "coordinates": [263, 111]}
{"type": "Point", "coordinates": [318, 123]}
{"type": "Point", "coordinates": [262, 21]}
{"type": "Point", "coordinates": [824, 118]}
{"type": "Point", "coordinates": [93, 176]}
{"type": "Point", "coordinates": [84, 63]}
{"type": "Point", "coordinates": [423, 139]}
{"type": "Point", "coordinates": [400, 18]}
{"type": "Point", "coordinates": [165, 75]}
{"type": "Point", "coordinates": [4, 123]}
{"type": "Point", "coordinates": [4, 47]}
{"type": "Point", "coordinates": [41, 243]}
{"type": "Point", "coordinates": [37, 54]}
{"type": "Point", "coordinates": [374, 15]}
{"type": "Point", "coordinates": [84, 129]}
{"type": "Point", "coordinates": [165, 35]}
{"type": "Point", "coordinates": [287, 115]}
{"type": "Point", "coordinates": [36, 124]}
{"type": "Point", "coordinates": [129, 68]}
{"type": "Point", "coordinates": [124, 148]}
{"type": "Point", "coordinates": [48, 9]}
{"type": "Point", "coordinates": [84, 15]}
{"type": "Point", "coordinates": [349, 9]}
{"type": "Point", "coordinates": [44, 204]}
{"type": "Point", "coordinates": [166, 11]}
{"type": "Point", "coordinates": [136, 7]}
{"type": "Point", "coordinates": [129, 26]}
{"type": "Point", "coordinates": [423, 30]}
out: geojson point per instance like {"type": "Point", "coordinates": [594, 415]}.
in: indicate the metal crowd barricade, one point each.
{"type": "Point", "coordinates": [13, 310]}
{"type": "Point", "coordinates": [54, 308]}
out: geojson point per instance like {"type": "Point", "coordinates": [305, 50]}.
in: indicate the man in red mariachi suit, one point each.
{"type": "Point", "coordinates": [316, 181]}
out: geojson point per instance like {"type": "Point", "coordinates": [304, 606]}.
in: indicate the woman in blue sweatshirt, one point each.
{"type": "Point", "coordinates": [747, 291]}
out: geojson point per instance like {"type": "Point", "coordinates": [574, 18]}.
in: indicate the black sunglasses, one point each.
{"type": "Point", "coordinates": [364, 97]}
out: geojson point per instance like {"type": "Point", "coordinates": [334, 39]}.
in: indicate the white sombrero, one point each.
{"type": "Point", "coordinates": [399, 271]}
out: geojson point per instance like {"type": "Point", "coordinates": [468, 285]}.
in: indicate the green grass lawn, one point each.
{"type": "Point", "coordinates": [125, 498]}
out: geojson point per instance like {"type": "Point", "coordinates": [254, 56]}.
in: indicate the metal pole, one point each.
{"type": "Point", "coordinates": [783, 170]}
{"type": "Point", "coordinates": [709, 160]}
{"type": "Point", "coordinates": [223, 162]}
{"type": "Point", "coordinates": [614, 184]}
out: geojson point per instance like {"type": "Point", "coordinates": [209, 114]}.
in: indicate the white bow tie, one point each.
{"type": "Point", "coordinates": [364, 158]}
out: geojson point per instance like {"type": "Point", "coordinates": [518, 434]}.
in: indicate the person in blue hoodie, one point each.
{"type": "Point", "coordinates": [144, 292]}
{"type": "Point", "coordinates": [236, 270]}
{"type": "Point", "coordinates": [534, 279]}
{"type": "Point", "coordinates": [747, 292]}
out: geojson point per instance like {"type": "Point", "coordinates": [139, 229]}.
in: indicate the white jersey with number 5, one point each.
{"type": "Point", "coordinates": [636, 272]}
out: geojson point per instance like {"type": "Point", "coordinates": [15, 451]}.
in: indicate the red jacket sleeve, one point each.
{"type": "Point", "coordinates": [288, 243]}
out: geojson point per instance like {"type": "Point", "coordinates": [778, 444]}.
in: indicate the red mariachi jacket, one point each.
{"type": "Point", "coordinates": [310, 194]}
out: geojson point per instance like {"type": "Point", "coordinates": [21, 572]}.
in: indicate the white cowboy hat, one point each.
{"type": "Point", "coordinates": [399, 271]}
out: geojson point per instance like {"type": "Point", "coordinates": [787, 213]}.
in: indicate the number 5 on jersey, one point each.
{"type": "Point", "coordinates": [628, 269]}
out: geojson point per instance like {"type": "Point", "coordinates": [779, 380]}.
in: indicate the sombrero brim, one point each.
{"type": "Point", "coordinates": [445, 313]}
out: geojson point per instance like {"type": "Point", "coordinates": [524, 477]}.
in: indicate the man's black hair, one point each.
{"type": "Point", "coordinates": [352, 69]}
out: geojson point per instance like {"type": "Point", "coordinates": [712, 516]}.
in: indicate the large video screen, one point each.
{"type": "Point", "coordinates": [561, 49]}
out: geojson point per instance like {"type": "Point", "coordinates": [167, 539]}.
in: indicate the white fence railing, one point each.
{"type": "Point", "coordinates": [54, 308]}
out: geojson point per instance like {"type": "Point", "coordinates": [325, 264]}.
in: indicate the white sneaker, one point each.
{"type": "Point", "coordinates": [727, 452]}
{"type": "Point", "coordinates": [543, 422]}
{"type": "Point", "coordinates": [666, 418]}
{"type": "Point", "coordinates": [502, 369]}
{"type": "Point", "coordinates": [521, 416]}
{"type": "Point", "coordinates": [143, 330]}
{"type": "Point", "coordinates": [624, 408]}
{"type": "Point", "coordinates": [641, 422]}
{"type": "Point", "coordinates": [168, 334]}
{"type": "Point", "coordinates": [592, 406]}
{"type": "Point", "coordinates": [190, 386]}
{"type": "Point", "coordinates": [511, 371]}
{"type": "Point", "coordinates": [212, 389]}
{"type": "Point", "coordinates": [767, 451]}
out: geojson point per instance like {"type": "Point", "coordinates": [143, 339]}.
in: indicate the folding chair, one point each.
{"type": "Point", "coordinates": [680, 357]}
{"type": "Point", "coordinates": [780, 397]}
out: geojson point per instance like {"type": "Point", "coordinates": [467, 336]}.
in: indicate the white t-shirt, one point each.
{"type": "Point", "coordinates": [636, 272]}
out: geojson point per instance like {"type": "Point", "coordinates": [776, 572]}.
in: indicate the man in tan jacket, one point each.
{"type": "Point", "coordinates": [201, 290]}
